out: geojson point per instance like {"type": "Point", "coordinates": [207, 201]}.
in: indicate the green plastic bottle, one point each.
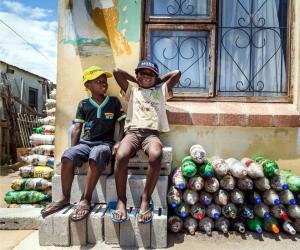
{"type": "Point", "coordinates": [255, 225]}
{"type": "Point", "coordinates": [270, 224]}
{"type": "Point", "coordinates": [293, 182]}
{"type": "Point", "coordinates": [38, 130]}
{"type": "Point", "coordinates": [270, 167]}
{"type": "Point", "coordinates": [24, 197]}
{"type": "Point", "coordinates": [206, 169]}
{"type": "Point", "coordinates": [188, 168]}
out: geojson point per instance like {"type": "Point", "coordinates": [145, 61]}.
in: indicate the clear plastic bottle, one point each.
{"type": "Point", "coordinates": [287, 197]}
{"type": "Point", "coordinates": [254, 169]}
{"type": "Point", "coordinates": [245, 184]}
{"type": "Point", "coordinates": [178, 179]}
{"type": "Point", "coordinates": [190, 224]}
{"type": "Point", "coordinates": [254, 197]}
{"type": "Point", "coordinates": [213, 211]}
{"type": "Point", "coordinates": [221, 197]}
{"type": "Point", "coordinates": [211, 185]}
{"type": "Point", "coordinates": [294, 211]}
{"type": "Point", "coordinates": [228, 182]}
{"type": "Point", "coordinates": [190, 197]}
{"type": "Point", "coordinates": [237, 196]}
{"type": "Point", "coordinates": [246, 211]}
{"type": "Point", "coordinates": [206, 225]}
{"type": "Point", "coordinates": [198, 153]}
{"type": "Point", "coordinates": [221, 168]}
{"type": "Point", "coordinates": [196, 183]}
{"type": "Point", "coordinates": [198, 211]}
{"type": "Point", "coordinates": [229, 211]}
{"type": "Point", "coordinates": [205, 198]}
{"type": "Point", "coordinates": [236, 168]}
{"type": "Point", "coordinates": [279, 212]}
{"type": "Point", "coordinates": [296, 225]}
{"type": "Point", "coordinates": [175, 224]}
{"type": "Point", "coordinates": [270, 224]}
{"type": "Point", "coordinates": [262, 184]}
{"type": "Point", "coordinates": [222, 224]}
{"type": "Point", "coordinates": [238, 225]}
{"type": "Point", "coordinates": [174, 197]}
{"type": "Point", "coordinates": [288, 227]}
{"type": "Point", "coordinates": [183, 210]}
{"type": "Point", "coordinates": [261, 210]}
{"type": "Point", "coordinates": [271, 197]}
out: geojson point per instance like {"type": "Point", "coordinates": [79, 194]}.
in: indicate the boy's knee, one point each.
{"type": "Point", "coordinates": [155, 155]}
{"type": "Point", "coordinates": [122, 156]}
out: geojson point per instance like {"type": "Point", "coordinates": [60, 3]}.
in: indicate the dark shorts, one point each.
{"type": "Point", "coordinates": [141, 138]}
{"type": "Point", "coordinates": [98, 151]}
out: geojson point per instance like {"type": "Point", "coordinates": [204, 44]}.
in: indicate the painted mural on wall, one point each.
{"type": "Point", "coordinates": [101, 27]}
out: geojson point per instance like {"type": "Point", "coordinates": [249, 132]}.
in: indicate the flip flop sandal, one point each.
{"type": "Point", "coordinates": [78, 208]}
{"type": "Point", "coordinates": [113, 212]}
{"type": "Point", "coordinates": [52, 208]}
{"type": "Point", "coordinates": [143, 213]}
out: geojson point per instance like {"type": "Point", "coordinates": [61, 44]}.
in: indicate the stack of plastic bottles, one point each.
{"type": "Point", "coordinates": [33, 189]}
{"type": "Point", "coordinates": [223, 195]}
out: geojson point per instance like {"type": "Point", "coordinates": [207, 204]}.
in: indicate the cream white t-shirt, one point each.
{"type": "Point", "coordinates": [147, 108]}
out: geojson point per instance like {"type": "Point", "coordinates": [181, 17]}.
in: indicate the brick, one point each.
{"type": "Point", "coordinates": [95, 224]}
{"type": "Point", "coordinates": [111, 230]}
{"type": "Point", "coordinates": [61, 227]}
{"type": "Point", "coordinates": [260, 121]}
{"type": "Point", "coordinates": [134, 190]}
{"type": "Point", "coordinates": [232, 120]}
{"type": "Point", "coordinates": [20, 218]}
{"type": "Point", "coordinates": [159, 229]}
{"type": "Point", "coordinates": [78, 232]}
{"type": "Point", "coordinates": [179, 118]}
{"type": "Point", "coordinates": [204, 119]}
{"type": "Point", "coordinates": [286, 120]}
{"type": "Point", "coordinates": [46, 231]}
{"type": "Point", "coordinates": [98, 196]}
{"type": "Point", "coordinates": [84, 168]}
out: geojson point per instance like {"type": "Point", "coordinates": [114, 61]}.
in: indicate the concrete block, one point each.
{"type": "Point", "coordinates": [134, 190]}
{"type": "Point", "coordinates": [61, 227]}
{"type": "Point", "coordinates": [46, 231]}
{"type": "Point", "coordinates": [159, 229]}
{"type": "Point", "coordinates": [98, 196]}
{"type": "Point", "coordinates": [20, 218]}
{"type": "Point", "coordinates": [111, 230]}
{"type": "Point", "coordinates": [127, 237]}
{"type": "Point", "coordinates": [78, 232]}
{"type": "Point", "coordinates": [95, 224]}
{"type": "Point", "coordinates": [140, 168]}
{"type": "Point", "coordinates": [142, 157]}
{"type": "Point", "coordinates": [82, 170]}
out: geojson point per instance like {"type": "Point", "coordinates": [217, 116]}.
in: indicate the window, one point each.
{"type": "Point", "coordinates": [33, 98]}
{"type": "Point", "coordinates": [225, 49]}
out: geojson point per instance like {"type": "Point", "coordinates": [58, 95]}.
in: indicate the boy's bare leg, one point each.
{"type": "Point", "coordinates": [154, 152]}
{"type": "Point", "coordinates": [121, 172]}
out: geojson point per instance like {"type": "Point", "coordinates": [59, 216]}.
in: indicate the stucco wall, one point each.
{"type": "Point", "coordinates": [119, 46]}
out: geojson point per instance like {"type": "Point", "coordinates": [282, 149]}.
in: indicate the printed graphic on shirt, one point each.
{"type": "Point", "coordinates": [109, 115]}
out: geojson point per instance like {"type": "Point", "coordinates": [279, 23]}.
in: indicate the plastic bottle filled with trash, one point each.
{"type": "Point", "coordinates": [190, 225]}
{"type": "Point", "coordinates": [270, 224]}
{"type": "Point", "coordinates": [261, 210]}
{"type": "Point", "coordinates": [228, 182]}
{"type": "Point", "coordinates": [175, 224]}
{"type": "Point", "coordinates": [294, 211]}
{"type": "Point", "coordinates": [198, 153]}
{"type": "Point", "coordinates": [38, 139]}
{"type": "Point", "coordinates": [174, 197]}
{"type": "Point", "coordinates": [254, 169]}
{"type": "Point", "coordinates": [178, 179]}
{"type": "Point", "coordinates": [238, 225]}
{"type": "Point", "coordinates": [50, 103]}
{"type": "Point", "coordinates": [288, 227]}
{"type": "Point", "coordinates": [196, 183]}
{"type": "Point", "coordinates": [40, 160]}
{"type": "Point", "coordinates": [45, 130]}
{"type": "Point", "coordinates": [37, 184]}
{"type": "Point", "coordinates": [294, 183]}
{"type": "Point", "coordinates": [49, 120]}
{"type": "Point", "coordinates": [287, 197]}
{"type": "Point", "coordinates": [270, 197]}
{"type": "Point", "coordinates": [279, 212]}
{"type": "Point", "coordinates": [213, 211]}
{"type": "Point", "coordinates": [35, 172]}
{"type": "Point", "coordinates": [206, 169]}
{"type": "Point", "coordinates": [229, 211]}
{"type": "Point", "coordinates": [270, 167]}
{"type": "Point", "coordinates": [47, 150]}
{"type": "Point", "coordinates": [222, 224]}
{"type": "Point", "coordinates": [221, 168]}
{"type": "Point", "coordinates": [262, 184]}
{"type": "Point", "coordinates": [188, 167]}
{"type": "Point", "coordinates": [24, 197]}
{"type": "Point", "coordinates": [245, 184]}
{"type": "Point", "coordinates": [221, 197]}
{"type": "Point", "coordinates": [237, 196]}
{"type": "Point", "coordinates": [254, 197]}
{"type": "Point", "coordinates": [246, 211]}
{"type": "Point", "coordinates": [211, 185]}
{"type": "Point", "coordinates": [296, 225]}
{"type": "Point", "coordinates": [236, 168]}
{"type": "Point", "coordinates": [278, 183]}
{"type": "Point", "coordinates": [206, 225]}
{"type": "Point", "coordinates": [255, 225]}
{"type": "Point", "coordinates": [183, 210]}
{"type": "Point", "coordinates": [198, 211]}
{"type": "Point", "coordinates": [205, 198]}
{"type": "Point", "coordinates": [190, 197]}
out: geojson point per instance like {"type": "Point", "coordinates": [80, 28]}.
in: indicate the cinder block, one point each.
{"type": "Point", "coordinates": [61, 227]}
{"type": "Point", "coordinates": [159, 229]}
{"type": "Point", "coordinates": [78, 232]}
{"type": "Point", "coordinates": [83, 169]}
{"type": "Point", "coordinates": [111, 230]}
{"type": "Point", "coordinates": [46, 231]}
{"type": "Point", "coordinates": [127, 236]}
{"type": "Point", "coordinates": [134, 190]}
{"type": "Point", "coordinates": [20, 218]}
{"type": "Point", "coordinates": [95, 224]}
{"type": "Point", "coordinates": [142, 157]}
{"type": "Point", "coordinates": [140, 168]}
{"type": "Point", "coordinates": [98, 196]}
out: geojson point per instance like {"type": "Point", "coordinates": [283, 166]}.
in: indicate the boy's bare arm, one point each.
{"type": "Point", "coordinates": [122, 78]}
{"type": "Point", "coordinates": [120, 137]}
{"type": "Point", "coordinates": [76, 132]}
{"type": "Point", "coordinates": [171, 79]}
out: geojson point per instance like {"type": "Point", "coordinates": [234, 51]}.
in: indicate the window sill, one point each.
{"type": "Point", "coordinates": [233, 114]}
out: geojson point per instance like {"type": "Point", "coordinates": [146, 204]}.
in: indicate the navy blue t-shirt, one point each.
{"type": "Point", "coordinates": [99, 120]}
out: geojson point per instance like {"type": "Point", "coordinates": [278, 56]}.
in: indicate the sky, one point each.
{"type": "Point", "coordinates": [36, 22]}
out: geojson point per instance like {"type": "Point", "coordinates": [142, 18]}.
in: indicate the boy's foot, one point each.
{"type": "Point", "coordinates": [54, 207]}
{"type": "Point", "coordinates": [81, 211]}
{"type": "Point", "coordinates": [145, 213]}
{"type": "Point", "coordinates": [120, 211]}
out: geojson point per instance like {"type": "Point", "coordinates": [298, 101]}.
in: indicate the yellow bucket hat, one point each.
{"type": "Point", "coordinates": [93, 72]}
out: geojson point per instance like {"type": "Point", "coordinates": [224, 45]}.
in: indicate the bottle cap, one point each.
{"type": "Point", "coordinates": [284, 216]}
{"type": "Point", "coordinates": [200, 216]}
{"type": "Point", "coordinates": [173, 204]}
{"type": "Point", "coordinates": [275, 229]}
{"type": "Point", "coordinates": [181, 186]}
{"type": "Point", "coordinates": [73, 121]}
{"type": "Point", "coordinates": [259, 230]}
{"type": "Point", "coordinates": [285, 186]}
{"type": "Point", "coordinates": [216, 215]}
{"type": "Point", "coordinates": [206, 201]}
{"type": "Point", "coordinates": [293, 201]}
{"type": "Point", "coordinates": [184, 214]}
{"type": "Point", "coordinates": [257, 200]}
{"type": "Point", "coordinates": [46, 196]}
{"type": "Point", "coordinates": [277, 202]}
{"type": "Point", "coordinates": [266, 214]}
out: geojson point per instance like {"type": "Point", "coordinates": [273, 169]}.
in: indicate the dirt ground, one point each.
{"type": "Point", "coordinates": [6, 177]}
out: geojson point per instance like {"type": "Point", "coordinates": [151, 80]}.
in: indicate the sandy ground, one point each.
{"type": "Point", "coordinates": [6, 177]}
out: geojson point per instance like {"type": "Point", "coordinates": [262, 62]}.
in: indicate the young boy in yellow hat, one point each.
{"type": "Point", "coordinates": [98, 114]}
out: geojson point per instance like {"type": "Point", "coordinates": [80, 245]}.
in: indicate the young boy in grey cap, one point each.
{"type": "Point", "coordinates": [146, 118]}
